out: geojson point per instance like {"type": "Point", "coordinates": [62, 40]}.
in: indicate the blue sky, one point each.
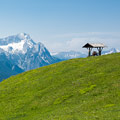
{"type": "Point", "coordinates": [62, 25]}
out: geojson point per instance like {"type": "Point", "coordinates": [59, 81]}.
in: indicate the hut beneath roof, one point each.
{"type": "Point", "coordinates": [91, 46]}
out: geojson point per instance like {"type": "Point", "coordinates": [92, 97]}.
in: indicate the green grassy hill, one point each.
{"type": "Point", "coordinates": [77, 89]}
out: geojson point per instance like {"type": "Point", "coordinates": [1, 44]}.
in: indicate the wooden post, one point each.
{"type": "Point", "coordinates": [100, 50]}
{"type": "Point", "coordinates": [89, 51]}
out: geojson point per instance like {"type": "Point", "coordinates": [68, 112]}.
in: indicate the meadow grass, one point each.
{"type": "Point", "coordinates": [77, 89]}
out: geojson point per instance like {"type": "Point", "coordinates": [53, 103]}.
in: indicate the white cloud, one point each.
{"type": "Point", "coordinates": [84, 34]}
{"type": "Point", "coordinates": [75, 41]}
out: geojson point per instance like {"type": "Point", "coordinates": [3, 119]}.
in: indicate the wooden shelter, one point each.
{"type": "Point", "coordinates": [91, 46]}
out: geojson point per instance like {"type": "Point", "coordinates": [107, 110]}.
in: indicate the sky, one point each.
{"type": "Point", "coordinates": [63, 25]}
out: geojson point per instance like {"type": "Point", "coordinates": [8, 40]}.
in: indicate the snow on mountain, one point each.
{"type": "Point", "coordinates": [112, 50]}
{"type": "Point", "coordinates": [21, 50]}
{"type": "Point", "coordinates": [74, 54]}
{"type": "Point", "coordinates": [69, 55]}
{"type": "Point", "coordinates": [54, 53]}
{"type": "Point", "coordinates": [17, 43]}
{"type": "Point", "coordinates": [13, 47]}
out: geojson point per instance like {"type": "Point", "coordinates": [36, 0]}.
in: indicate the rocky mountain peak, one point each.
{"type": "Point", "coordinates": [24, 52]}
{"type": "Point", "coordinates": [23, 36]}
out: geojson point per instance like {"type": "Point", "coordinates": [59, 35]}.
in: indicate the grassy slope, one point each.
{"type": "Point", "coordinates": [77, 89]}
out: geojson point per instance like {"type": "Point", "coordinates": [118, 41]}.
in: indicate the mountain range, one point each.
{"type": "Point", "coordinates": [20, 53]}
{"type": "Point", "coordinates": [69, 55]}
{"type": "Point", "coordinates": [20, 50]}
{"type": "Point", "coordinates": [75, 54]}
{"type": "Point", "coordinates": [112, 50]}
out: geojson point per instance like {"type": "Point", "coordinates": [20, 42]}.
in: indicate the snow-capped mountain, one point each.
{"type": "Point", "coordinates": [112, 50]}
{"type": "Point", "coordinates": [68, 55]}
{"type": "Point", "coordinates": [21, 50]}
{"type": "Point", "coordinates": [74, 54]}
{"type": "Point", "coordinates": [17, 44]}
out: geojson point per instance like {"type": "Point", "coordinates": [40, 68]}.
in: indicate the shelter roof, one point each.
{"type": "Point", "coordinates": [94, 45]}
